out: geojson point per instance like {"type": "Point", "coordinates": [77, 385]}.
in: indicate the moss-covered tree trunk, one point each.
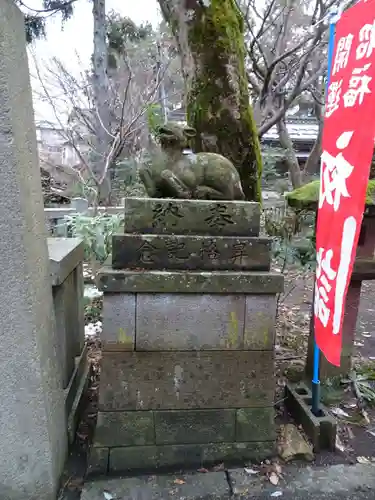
{"type": "Point", "coordinates": [210, 38]}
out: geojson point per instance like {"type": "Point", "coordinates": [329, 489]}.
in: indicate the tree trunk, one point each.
{"type": "Point", "coordinates": [313, 161]}
{"type": "Point", "coordinates": [290, 156]}
{"type": "Point", "coordinates": [210, 37]}
{"type": "Point", "coordinates": [102, 138]}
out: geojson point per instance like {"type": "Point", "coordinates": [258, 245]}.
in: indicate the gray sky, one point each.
{"type": "Point", "coordinates": [76, 36]}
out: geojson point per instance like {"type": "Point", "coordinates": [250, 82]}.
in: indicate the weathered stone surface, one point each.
{"type": "Point", "coordinates": [118, 322]}
{"type": "Point", "coordinates": [145, 251]}
{"type": "Point", "coordinates": [293, 445]}
{"type": "Point", "coordinates": [33, 434]}
{"type": "Point", "coordinates": [182, 322]}
{"type": "Point", "coordinates": [142, 458]}
{"type": "Point", "coordinates": [129, 428]}
{"type": "Point", "coordinates": [194, 426]}
{"type": "Point", "coordinates": [64, 254]}
{"type": "Point", "coordinates": [255, 424]}
{"type": "Point", "coordinates": [205, 454]}
{"type": "Point", "coordinates": [114, 281]}
{"type": "Point", "coordinates": [98, 460]}
{"type": "Point", "coordinates": [260, 319]}
{"type": "Point", "coordinates": [213, 486]}
{"type": "Point", "coordinates": [172, 216]}
{"type": "Point", "coordinates": [66, 329]}
{"type": "Point", "coordinates": [151, 458]}
{"type": "Point", "coordinates": [186, 380]}
{"type": "Point", "coordinates": [76, 393]}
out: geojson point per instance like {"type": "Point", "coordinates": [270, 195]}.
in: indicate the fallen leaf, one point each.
{"type": "Point", "coordinates": [276, 494]}
{"type": "Point", "coordinates": [107, 495]}
{"type": "Point", "coordinates": [179, 481]}
{"type": "Point", "coordinates": [203, 470]}
{"type": "Point", "coordinates": [278, 469]}
{"type": "Point", "coordinates": [358, 344]}
{"type": "Point", "coordinates": [366, 417]}
{"type": "Point", "coordinates": [339, 445]}
{"type": "Point", "coordinates": [363, 460]}
{"type": "Point", "coordinates": [350, 433]}
{"type": "Point", "coordinates": [339, 412]}
{"type": "Point", "coordinates": [274, 478]}
{"type": "Point", "coordinates": [218, 467]}
{"type": "Point", "coordinates": [251, 471]}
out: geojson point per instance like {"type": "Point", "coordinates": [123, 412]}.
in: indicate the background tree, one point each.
{"type": "Point", "coordinates": [35, 23]}
{"type": "Point", "coordinates": [133, 84]}
{"type": "Point", "coordinates": [286, 42]}
{"type": "Point", "coordinates": [35, 19]}
{"type": "Point", "coordinates": [210, 40]}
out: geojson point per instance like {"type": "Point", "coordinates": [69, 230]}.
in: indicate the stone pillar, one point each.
{"type": "Point", "coordinates": [32, 419]}
{"type": "Point", "coordinates": [188, 338]}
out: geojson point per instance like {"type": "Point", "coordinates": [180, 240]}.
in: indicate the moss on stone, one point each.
{"type": "Point", "coordinates": [306, 197]}
{"type": "Point", "coordinates": [218, 99]}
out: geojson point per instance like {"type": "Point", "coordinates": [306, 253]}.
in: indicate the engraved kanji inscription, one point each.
{"type": "Point", "coordinates": [161, 211]}
{"type": "Point", "coordinates": [219, 216]}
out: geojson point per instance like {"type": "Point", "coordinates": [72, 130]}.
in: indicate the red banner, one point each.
{"type": "Point", "coordinates": [348, 143]}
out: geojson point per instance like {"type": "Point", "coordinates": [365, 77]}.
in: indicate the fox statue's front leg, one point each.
{"type": "Point", "coordinates": [175, 186]}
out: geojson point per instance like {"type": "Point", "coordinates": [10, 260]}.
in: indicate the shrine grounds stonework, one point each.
{"type": "Point", "coordinates": [187, 375]}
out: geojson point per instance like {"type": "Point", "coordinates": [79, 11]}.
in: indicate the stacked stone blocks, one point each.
{"type": "Point", "coordinates": [188, 336]}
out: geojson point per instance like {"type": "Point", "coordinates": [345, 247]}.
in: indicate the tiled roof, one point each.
{"type": "Point", "coordinates": [299, 129]}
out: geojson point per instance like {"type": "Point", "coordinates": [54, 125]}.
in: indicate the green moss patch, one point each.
{"type": "Point", "coordinates": [306, 197]}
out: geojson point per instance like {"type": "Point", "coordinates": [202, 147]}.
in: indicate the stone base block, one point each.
{"type": "Point", "coordinates": [186, 252]}
{"type": "Point", "coordinates": [172, 216]}
{"type": "Point", "coordinates": [148, 459]}
{"type": "Point", "coordinates": [185, 322]}
{"type": "Point", "coordinates": [141, 428]}
{"type": "Point", "coordinates": [320, 429]}
{"type": "Point", "coordinates": [186, 380]}
{"type": "Point", "coordinates": [227, 282]}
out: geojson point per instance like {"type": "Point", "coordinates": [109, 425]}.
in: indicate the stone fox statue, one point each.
{"type": "Point", "coordinates": [174, 174]}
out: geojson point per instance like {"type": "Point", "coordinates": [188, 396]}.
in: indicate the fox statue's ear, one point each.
{"type": "Point", "coordinates": [190, 132]}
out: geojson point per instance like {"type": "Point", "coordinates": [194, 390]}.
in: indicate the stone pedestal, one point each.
{"type": "Point", "coordinates": [188, 335]}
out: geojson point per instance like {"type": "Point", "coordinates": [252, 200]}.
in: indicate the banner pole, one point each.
{"type": "Point", "coordinates": [315, 386]}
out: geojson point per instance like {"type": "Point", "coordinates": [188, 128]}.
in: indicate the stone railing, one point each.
{"type": "Point", "coordinates": [66, 258]}
{"type": "Point", "coordinates": [56, 221]}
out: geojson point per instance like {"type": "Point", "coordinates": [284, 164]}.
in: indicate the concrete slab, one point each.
{"type": "Point", "coordinates": [338, 482]}
{"type": "Point", "coordinates": [334, 482]}
{"type": "Point", "coordinates": [213, 486]}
